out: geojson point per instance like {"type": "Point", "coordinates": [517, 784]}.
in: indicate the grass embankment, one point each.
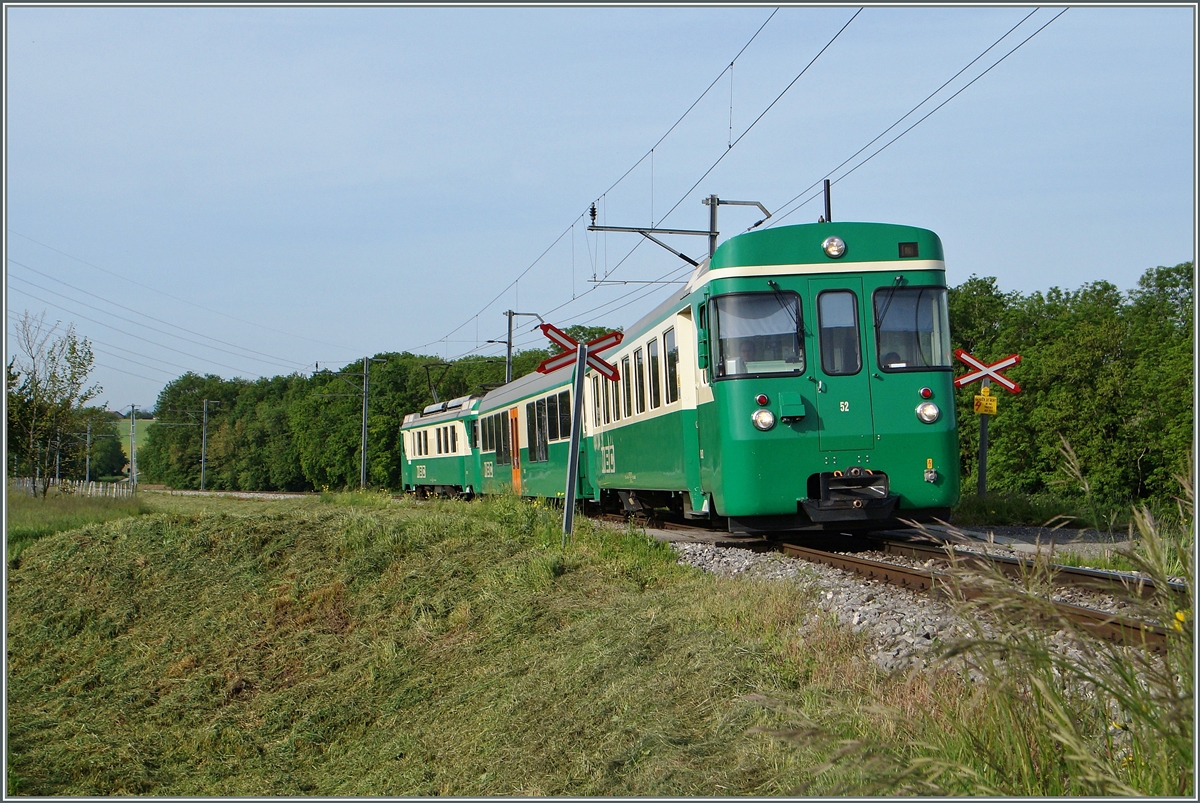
{"type": "Point", "coordinates": [355, 647]}
{"type": "Point", "coordinates": [342, 650]}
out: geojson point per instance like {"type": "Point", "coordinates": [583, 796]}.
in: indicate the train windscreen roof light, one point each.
{"type": "Point", "coordinates": [833, 247]}
{"type": "Point", "coordinates": [928, 412]}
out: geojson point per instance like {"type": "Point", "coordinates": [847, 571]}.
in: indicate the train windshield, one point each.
{"type": "Point", "coordinates": [912, 328]}
{"type": "Point", "coordinates": [758, 333]}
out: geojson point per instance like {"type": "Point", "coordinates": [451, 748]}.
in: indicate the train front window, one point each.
{"type": "Point", "coordinates": [757, 334]}
{"type": "Point", "coordinates": [912, 329]}
{"type": "Point", "coordinates": [837, 316]}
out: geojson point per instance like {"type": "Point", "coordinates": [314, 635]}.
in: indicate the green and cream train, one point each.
{"type": "Point", "coordinates": [800, 380]}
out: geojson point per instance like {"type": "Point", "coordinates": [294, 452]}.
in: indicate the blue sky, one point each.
{"type": "Point", "coordinates": [302, 185]}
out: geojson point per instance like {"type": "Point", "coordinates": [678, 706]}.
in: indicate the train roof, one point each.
{"type": "Point", "coordinates": [802, 245]}
{"type": "Point", "coordinates": [528, 385]}
{"type": "Point", "coordinates": [443, 411]}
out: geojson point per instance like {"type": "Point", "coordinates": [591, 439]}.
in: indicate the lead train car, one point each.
{"type": "Point", "coordinates": [800, 380]}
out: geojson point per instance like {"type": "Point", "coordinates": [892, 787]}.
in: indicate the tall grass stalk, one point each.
{"type": "Point", "coordinates": [1041, 707]}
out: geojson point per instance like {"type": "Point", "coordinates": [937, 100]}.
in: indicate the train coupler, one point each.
{"type": "Point", "coordinates": [856, 494]}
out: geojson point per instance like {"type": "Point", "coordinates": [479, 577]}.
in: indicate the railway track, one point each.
{"type": "Point", "coordinates": [1101, 624]}
{"type": "Point", "coordinates": [947, 578]}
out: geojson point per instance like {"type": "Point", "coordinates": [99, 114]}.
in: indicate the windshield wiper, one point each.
{"type": "Point", "coordinates": [787, 305]}
{"type": "Point", "coordinates": [881, 314]}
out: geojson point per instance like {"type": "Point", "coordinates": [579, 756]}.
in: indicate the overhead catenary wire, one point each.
{"type": "Point", "coordinates": [129, 334]}
{"type": "Point", "coordinates": [750, 127]}
{"type": "Point", "coordinates": [126, 320]}
{"type": "Point", "coordinates": [269, 358]}
{"type": "Point", "coordinates": [779, 218]}
{"type": "Point", "coordinates": [174, 297]}
{"type": "Point", "coordinates": [12, 316]}
{"type": "Point", "coordinates": [575, 221]}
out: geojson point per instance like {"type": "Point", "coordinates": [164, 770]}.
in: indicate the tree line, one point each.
{"type": "Point", "coordinates": [1110, 372]}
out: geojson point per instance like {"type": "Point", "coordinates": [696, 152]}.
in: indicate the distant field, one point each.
{"type": "Point", "coordinates": [139, 432]}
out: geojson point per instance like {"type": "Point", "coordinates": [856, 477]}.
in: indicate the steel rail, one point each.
{"type": "Point", "coordinates": [1101, 624]}
{"type": "Point", "coordinates": [1095, 579]}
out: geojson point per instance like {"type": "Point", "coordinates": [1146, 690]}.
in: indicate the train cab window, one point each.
{"type": "Point", "coordinates": [640, 368]}
{"type": "Point", "coordinates": [757, 334]}
{"type": "Point", "coordinates": [837, 316]}
{"type": "Point", "coordinates": [672, 351]}
{"type": "Point", "coordinates": [564, 414]}
{"type": "Point", "coordinates": [655, 381]}
{"type": "Point", "coordinates": [912, 328]}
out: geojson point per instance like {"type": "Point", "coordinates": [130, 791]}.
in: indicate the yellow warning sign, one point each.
{"type": "Point", "coordinates": [985, 405]}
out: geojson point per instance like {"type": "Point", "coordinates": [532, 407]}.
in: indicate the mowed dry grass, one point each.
{"type": "Point", "coordinates": [354, 646]}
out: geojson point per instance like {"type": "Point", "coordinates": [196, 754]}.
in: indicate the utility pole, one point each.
{"type": "Point", "coordinates": [204, 440]}
{"type": "Point", "coordinates": [366, 375]}
{"type": "Point", "coordinates": [132, 446]}
{"type": "Point", "coordinates": [362, 477]}
{"type": "Point", "coordinates": [509, 343]}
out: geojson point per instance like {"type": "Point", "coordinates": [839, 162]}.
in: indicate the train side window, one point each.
{"type": "Point", "coordinates": [453, 439]}
{"type": "Point", "coordinates": [503, 453]}
{"type": "Point", "coordinates": [628, 386]}
{"type": "Point", "coordinates": [837, 317]}
{"type": "Point", "coordinates": [543, 431]}
{"type": "Point", "coordinates": [655, 382]}
{"type": "Point", "coordinates": [596, 398]}
{"type": "Point", "coordinates": [552, 417]}
{"type": "Point", "coordinates": [616, 391]}
{"type": "Point", "coordinates": [640, 379]}
{"type": "Point", "coordinates": [672, 350]}
{"type": "Point", "coordinates": [564, 414]}
{"type": "Point", "coordinates": [437, 433]}
{"type": "Point", "coordinates": [607, 406]}
{"type": "Point", "coordinates": [531, 433]}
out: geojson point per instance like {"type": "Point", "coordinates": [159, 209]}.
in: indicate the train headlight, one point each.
{"type": "Point", "coordinates": [928, 412]}
{"type": "Point", "coordinates": [833, 247]}
{"type": "Point", "coordinates": [763, 419]}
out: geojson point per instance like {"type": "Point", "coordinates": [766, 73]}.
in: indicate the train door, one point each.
{"type": "Point", "coordinates": [839, 368]}
{"type": "Point", "coordinates": [514, 433]}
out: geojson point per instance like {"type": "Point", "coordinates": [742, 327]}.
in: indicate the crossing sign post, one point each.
{"type": "Point", "coordinates": [985, 402]}
{"type": "Point", "coordinates": [582, 356]}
